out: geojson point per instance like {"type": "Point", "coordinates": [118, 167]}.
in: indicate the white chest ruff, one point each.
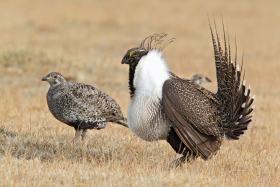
{"type": "Point", "coordinates": [145, 119]}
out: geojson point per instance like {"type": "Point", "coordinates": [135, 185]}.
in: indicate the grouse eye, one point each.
{"type": "Point", "coordinates": [55, 76]}
{"type": "Point", "coordinates": [131, 53]}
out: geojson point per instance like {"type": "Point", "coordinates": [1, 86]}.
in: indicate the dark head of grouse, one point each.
{"type": "Point", "coordinates": [155, 41]}
{"type": "Point", "coordinates": [81, 106]}
{"type": "Point", "coordinates": [132, 57]}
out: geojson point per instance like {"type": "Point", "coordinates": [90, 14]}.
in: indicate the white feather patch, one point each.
{"type": "Point", "coordinates": [246, 92]}
{"type": "Point", "coordinates": [150, 74]}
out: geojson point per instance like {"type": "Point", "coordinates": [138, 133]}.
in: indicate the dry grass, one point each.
{"type": "Point", "coordinates": [86, 40]}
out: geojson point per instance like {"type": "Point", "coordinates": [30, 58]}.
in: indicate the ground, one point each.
{"type": "Point", "coordinates": [85, 40]}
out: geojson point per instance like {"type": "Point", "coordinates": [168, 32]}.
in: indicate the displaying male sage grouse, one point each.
{"type": "Point", "coordinates": [81, 106]}
{"type": "Point", "coordinates": [192, 119]}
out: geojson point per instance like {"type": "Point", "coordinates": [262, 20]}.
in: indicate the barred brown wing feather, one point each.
{"type": "Point", "coordinates": [193, 117]}
{"type": "Point", "coordinates": [94, 100]}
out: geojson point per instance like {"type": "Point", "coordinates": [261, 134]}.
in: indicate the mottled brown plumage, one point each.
{"type": "Point", "coordinates": [194, 115]}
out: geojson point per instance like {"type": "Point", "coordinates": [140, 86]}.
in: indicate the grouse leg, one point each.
{"type": "Point", "coordinates": [78, 134]}
{"type": "Point", "coordinates": [84, 135]}
{"type": "Point", "coordinates": [180, 161]}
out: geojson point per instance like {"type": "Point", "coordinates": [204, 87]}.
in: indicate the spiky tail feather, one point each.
{"type": "Point", "coordinates": [236, 102]}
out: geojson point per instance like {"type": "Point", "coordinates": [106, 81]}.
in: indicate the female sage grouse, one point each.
{"type": "Point", "coordinates": [200, 79]}
{"type": "Point", "coordinates": [81, 106]}
{"type": "Point", "coordinates": [192, 119]}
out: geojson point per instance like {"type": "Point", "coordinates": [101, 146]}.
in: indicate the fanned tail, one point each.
{"type": "Point", "coordinates": [236, 101]}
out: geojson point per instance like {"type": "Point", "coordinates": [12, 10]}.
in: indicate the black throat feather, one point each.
{"type": "Point", "coordinates": [132, 88]}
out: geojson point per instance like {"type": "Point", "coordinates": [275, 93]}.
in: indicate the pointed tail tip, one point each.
{"type": "Point", "coordinates": [123, 122]}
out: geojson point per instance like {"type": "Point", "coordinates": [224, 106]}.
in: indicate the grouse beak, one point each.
{"type": "Point", "coordinates": [44, 79]}
{"type": "Point", "coordinates": [208, 80]}
{"type": "Point", "coordinates": [124, 61]}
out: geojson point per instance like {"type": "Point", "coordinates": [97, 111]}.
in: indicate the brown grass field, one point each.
{"type": "Point", "coordinates": [86, 40]}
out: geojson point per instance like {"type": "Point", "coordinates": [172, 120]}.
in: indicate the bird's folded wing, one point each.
{"type": "Point", "coordinates": [86, 94]}
{"type": "Point", "coordinates": [193, 116]}
{"type": "Point", "coordinates": [92, 99]}
{"type": "Point", "coordinates": [93, 105]}
{"type": "Point", "coordinates": [76, 109]}
{"type": "Point", "coordinates": [206, 92]}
